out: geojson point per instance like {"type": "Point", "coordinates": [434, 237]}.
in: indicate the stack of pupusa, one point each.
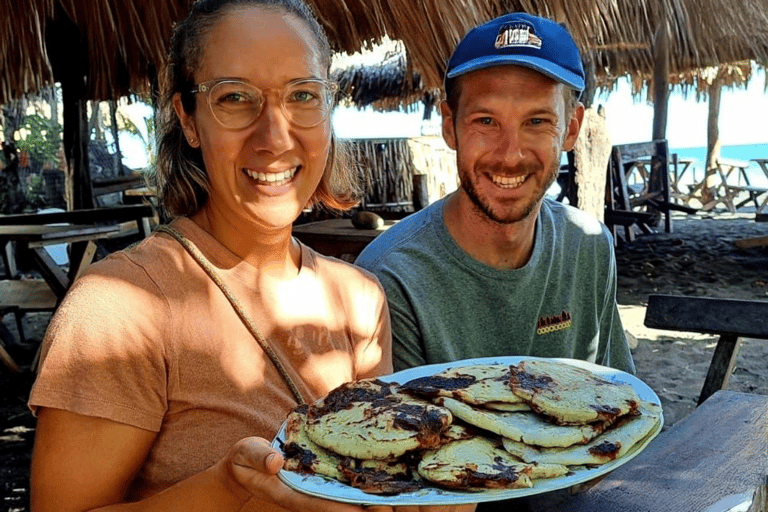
{"type": "Point", "coordinates": [574, 416]}
{"type": "Point", "coordinates": [467, 428]}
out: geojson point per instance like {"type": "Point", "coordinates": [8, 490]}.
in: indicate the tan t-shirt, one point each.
{"type": "Point", "coordinates": [146, 338]}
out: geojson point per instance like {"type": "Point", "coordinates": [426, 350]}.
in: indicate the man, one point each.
{"type": "Point", "coordinates": [496, 268]}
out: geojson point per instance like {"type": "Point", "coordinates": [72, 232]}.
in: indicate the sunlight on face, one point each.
{"type": "Point", "coordinates": [265, 173]}
{"type": "Point", "coordinates": [509, 131]}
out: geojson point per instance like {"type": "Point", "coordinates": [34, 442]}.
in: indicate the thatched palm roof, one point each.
{"type": "Point", "coordinates": [125, 39]}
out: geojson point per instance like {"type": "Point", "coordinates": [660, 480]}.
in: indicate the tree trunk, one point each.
{"type": "Point", "coordinates": [94, 123]}
{"type": "Point", "coordinates": [118, 156]}
{"type": "Point", "coordinates": [590, 87]}
{"type": "Point", "coordinates": [708, 191]}
{"type": "Point", "coordinates": [660, 82]}
{"type": "Point", "coordinates": [591, 155]}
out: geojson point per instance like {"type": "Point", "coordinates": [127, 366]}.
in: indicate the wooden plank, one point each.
{"type": "Point", "coordinates": [721, 367]}
{"type": "Point", "coordinates": [84, 216]}
{"type": "Point", "coordinates": [27, 294]}
{"type": "Point", "coordinates": [51, 272]}
{"type": "Point", "coordinates": [708, 315]}
{"type": "Point", "coordinates": [85, 260]}
{"type": "Point", "coordinates": [716, 455]}
{"type": "Point", "coordinates": [8, 361]}
{"type": "Point", "coordinates": [748, 243]}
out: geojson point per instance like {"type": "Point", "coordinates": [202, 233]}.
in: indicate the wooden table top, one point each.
{"type": "Point", "coordinates": [340, 229]}
{"type": "Point", "coordinates": [54, 233]}
{"type": "Point", "coordinates": [713, 460]}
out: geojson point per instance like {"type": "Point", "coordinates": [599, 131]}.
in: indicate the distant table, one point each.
{"type": "Point", "coordinates": [728, 168]}
{"type": "Point", "coordinates": [714, 460]}
{"type": "Point", "coordinates": [19, 294]}
{"type": "Point", "coordinates": [682, 165]}
{"type": "Point", "coordinates": [337, 237]}
{"type": "Point", "coordinates": [36, 237]}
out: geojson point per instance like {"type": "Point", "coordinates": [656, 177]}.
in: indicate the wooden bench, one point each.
{"type": "Point", "coordinates": [731, 319]}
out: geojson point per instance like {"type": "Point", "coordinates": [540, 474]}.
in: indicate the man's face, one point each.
{"type": "Point", "coordinates": [509, 131]}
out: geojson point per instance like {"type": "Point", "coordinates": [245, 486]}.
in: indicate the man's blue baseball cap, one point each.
{"type": "Point", "coordinates": [524, 40]}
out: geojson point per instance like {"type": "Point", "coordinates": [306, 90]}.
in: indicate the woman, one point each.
{"type": "Point", "coordinates": [170, 364]}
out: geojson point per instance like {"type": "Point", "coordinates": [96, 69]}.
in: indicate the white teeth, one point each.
{"type": "Point", "coordinates": [508, 182]}
{"type": "Point", "coordinates": [272, 178]}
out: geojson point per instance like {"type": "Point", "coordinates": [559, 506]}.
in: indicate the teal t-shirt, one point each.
{"type": "Point", "coordinates": [446, 306]}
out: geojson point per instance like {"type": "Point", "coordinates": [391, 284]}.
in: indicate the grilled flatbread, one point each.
{"type": "Point", "coordinates": [486, 385]}
{"type": "Point", "coordinates": [480, 463]}
{"type": "Point", "coordinates": [382, 477]}
{"type": "Point", "coordinates": [570, 395]}
{"type": "Point", "coordinates": [302, 455]}
{"type": "Point", "coordinates": [527, 427]}
{"type": "Point", "coordinates": [369, 419]}
{"type": "Point", "coordinates": [609, 446]}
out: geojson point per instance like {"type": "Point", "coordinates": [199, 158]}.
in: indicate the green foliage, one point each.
{"type": "Point", "coordinates": [42, 139]}
{"type": "Point", "coordinates": [34, 192]}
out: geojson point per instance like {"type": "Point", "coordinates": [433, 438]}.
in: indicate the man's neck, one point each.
{"type": "Point", "coordinates": [502, 246]}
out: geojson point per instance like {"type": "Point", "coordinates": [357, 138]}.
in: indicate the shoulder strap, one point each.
{"type": "Point", "coordinates": [198, 256]}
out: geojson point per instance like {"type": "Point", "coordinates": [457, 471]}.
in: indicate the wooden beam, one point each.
{"type": "Point", "coordinates": [748, 243]}
{"type": "Point", "coordinates": [69, 63]}
{"type": "Point", "coordinates": [660, 81]}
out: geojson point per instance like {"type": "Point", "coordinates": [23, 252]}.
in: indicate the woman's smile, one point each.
{"type": "Point", "coordinates": [272, 178]}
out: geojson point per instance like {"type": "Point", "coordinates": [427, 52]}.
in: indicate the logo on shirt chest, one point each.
{"type": "Point", "coordinates": [548, 324]}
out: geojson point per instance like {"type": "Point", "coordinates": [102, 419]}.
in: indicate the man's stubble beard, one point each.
{"type": "Point", "coordinates": [483, 206]}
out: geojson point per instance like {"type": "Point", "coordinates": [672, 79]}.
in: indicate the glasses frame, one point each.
{"type": "Point", "coordinates": [207, 87]}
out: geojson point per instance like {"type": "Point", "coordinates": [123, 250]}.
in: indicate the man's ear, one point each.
{"type": "Point", "coordinates": [449, 130]}
{"type": "Point", "coordinates": [574, 125]}
{"type": "Point", "coordinates": [187, 122]}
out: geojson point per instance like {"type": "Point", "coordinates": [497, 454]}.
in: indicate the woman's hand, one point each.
{"type": "Point", "coordinates": [252, 466]}
{"type": "Point", "coordinates": [444, 508]}
{"type": "Point", "coordinates": [251, 470]}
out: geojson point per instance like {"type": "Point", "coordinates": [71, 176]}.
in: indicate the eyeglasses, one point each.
{"type": "Point", "coordinates": [306, 102]}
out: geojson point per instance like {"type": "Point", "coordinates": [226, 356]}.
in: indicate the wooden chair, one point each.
{"type": "Point", "coordinates": [731, 319]}
{"type": "Point", "coordinates": [644, 203]}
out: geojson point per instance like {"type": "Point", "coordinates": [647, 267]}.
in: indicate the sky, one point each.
{"type": "Point", "coordinates": [743, 120]}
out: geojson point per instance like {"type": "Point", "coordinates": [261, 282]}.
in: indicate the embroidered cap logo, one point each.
{"type": "Point", "coordinates": [517, 34]}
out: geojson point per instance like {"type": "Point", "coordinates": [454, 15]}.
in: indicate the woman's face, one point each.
{"type": "Point", "coordinates": [266, 172]}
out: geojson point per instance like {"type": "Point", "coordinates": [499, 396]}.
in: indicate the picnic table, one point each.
{"type": "Point", "coordinates": [31, 235]}
{"type": "Point", "coordinates": [715, 460]}
{"type": "Point", "coordinates": [734, 190]}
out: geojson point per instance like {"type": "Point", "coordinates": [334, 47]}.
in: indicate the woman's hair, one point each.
{"type": "Point", "coordinates": [181, 178]}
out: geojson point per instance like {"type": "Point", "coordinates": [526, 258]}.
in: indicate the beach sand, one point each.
{"type": "Point", "coordinates": [698, 258]}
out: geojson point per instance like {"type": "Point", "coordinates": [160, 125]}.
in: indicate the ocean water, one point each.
{"type": "Point", "coordinates": [698, 156]}
{"type": "Point", "coordinates": [746, 152]}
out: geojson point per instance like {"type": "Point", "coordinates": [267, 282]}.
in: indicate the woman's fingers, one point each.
{"type": "Point", "coordinates": [254, 465]}
{"type": "Point", "coordinates": [255, 454]}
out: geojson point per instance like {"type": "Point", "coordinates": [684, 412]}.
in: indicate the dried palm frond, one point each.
{"type": "Point", "coordinates": [127, 39]}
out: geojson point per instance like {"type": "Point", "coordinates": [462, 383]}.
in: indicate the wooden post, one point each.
{"type": "Point", "coordinates": [76, 147]}
{"type": "Point", "coordinates": [660, 81]}
{"type": "Point", "coordinates": [69, 63]}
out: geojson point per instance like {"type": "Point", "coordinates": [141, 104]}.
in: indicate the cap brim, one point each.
{"type": "Point", "coordinates": [543, 66]}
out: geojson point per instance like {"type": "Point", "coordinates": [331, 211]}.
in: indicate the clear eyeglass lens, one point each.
{"type": "Point", "coordinates": [305, 103]}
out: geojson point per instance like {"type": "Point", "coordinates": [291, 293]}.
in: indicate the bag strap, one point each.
{"type": "Point", "coordinates": [198, 256]}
